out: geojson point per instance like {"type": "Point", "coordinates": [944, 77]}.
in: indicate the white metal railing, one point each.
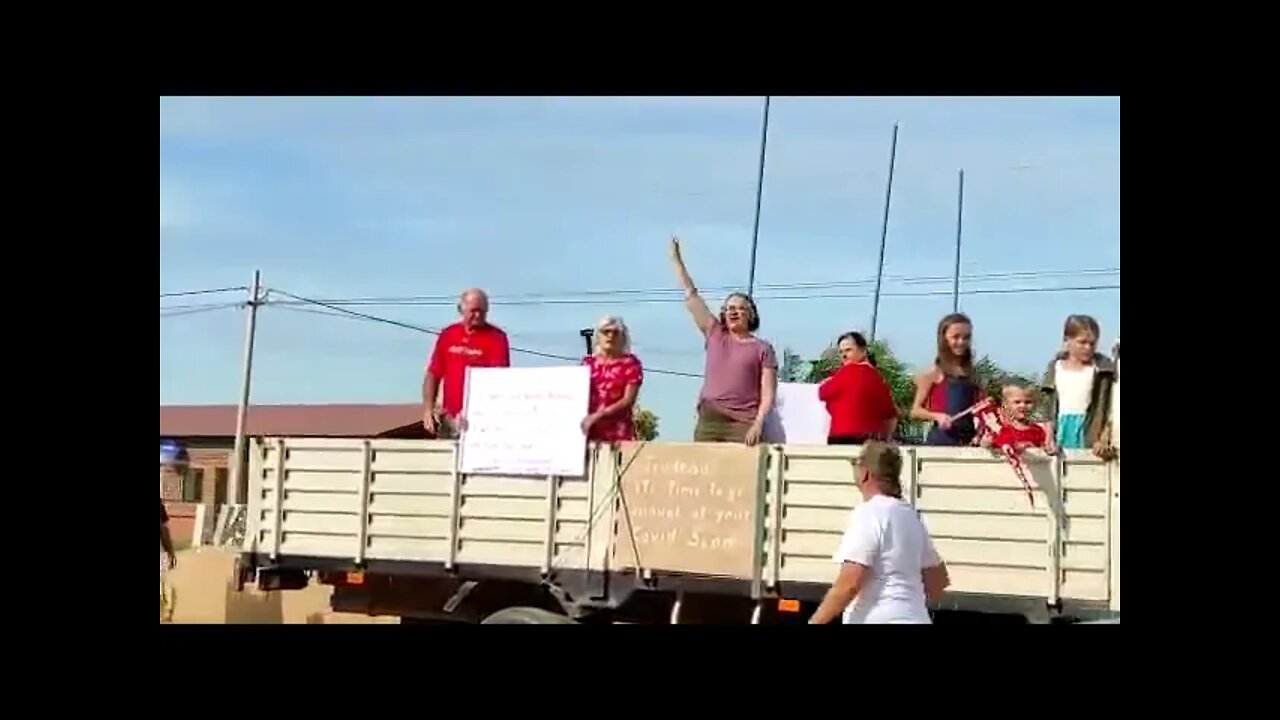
{"type": "Point", "coordinates": [793, 552]}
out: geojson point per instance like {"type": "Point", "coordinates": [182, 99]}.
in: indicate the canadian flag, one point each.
{"type": "Point", "coordinates": [1003, 439]}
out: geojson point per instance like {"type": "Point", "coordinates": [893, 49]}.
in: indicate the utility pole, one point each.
{"type": "Point", "coordinates": [955, 281]}
{"type": "Point", "coordinates": [236, 479]}
{"type": "Point", "coordinates": [755, 230]}
{"type": "Point", "coordinates": [884, 233]}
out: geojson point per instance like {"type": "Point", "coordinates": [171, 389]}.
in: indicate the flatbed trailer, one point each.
{"type": "Point", "coordinates": [663, 532]}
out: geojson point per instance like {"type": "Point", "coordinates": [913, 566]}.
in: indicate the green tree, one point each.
{"type": "Point", "coordinates": [646, 424]}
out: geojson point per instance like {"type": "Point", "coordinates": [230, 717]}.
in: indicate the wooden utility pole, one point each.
{"type": "Point", "coordinates": [238, 464]}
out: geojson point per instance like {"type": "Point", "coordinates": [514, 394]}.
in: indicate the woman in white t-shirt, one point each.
{"type": "Point", "coordinates": [889, 567]}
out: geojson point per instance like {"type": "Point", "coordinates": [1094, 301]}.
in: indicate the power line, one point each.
{"type": "Point", "coordinates": [314, 311]}
{"type": "Point", "coordinates": [430, 331]}
{"type": "Point", "coordinates": [981, 291]}
{"type": "Point", "coordinates": [654, 350]}
{"type": "Point", "coordinates": [924, 279]}
{"type": "Point", "coordinates": [653, 300]}
{"type": "Point", "coordinates": [196, 306]}
{"type": "Point", "coordinates": [334, 310]}
{"type": "Point", "coordinates": [180, 310]}
{"type": "Point", "coordinates": [210, 291]}
{"type": "Point", "coordinates": [820, 285]}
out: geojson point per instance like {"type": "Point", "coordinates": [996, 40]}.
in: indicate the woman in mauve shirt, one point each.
{"type": "Point", "coordinates": [616, 376]}
{"type": "Point", "coordinates": [741, 377]}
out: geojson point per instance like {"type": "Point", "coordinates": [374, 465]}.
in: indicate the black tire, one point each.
{"type": "Point", "coordinates": [527, 616]}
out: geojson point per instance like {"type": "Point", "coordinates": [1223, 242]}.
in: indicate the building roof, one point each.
{"type": "Point", "coordinates": [219, 421]}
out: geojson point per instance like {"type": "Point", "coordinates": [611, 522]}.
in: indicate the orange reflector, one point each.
{"type": "Point", "coordinates": [355, 578]}
{"type": "Point", "coordinates": [788, 606]}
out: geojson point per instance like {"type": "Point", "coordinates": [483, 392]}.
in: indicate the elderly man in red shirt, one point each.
{"type": "Point", "coordinates": [470, 342]}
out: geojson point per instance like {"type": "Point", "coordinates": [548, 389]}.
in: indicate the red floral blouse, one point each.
{"type": "Point", "coordinates": [609, 381]}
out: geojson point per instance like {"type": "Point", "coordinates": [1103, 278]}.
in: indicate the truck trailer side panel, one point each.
{"type": "Point", "coordinates": [352, 502]}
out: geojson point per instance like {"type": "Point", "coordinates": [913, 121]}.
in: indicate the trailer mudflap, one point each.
{"type": "Point", "coordinates": [268, 577]}
{"type": "Point", "coordinates": [240, 572]}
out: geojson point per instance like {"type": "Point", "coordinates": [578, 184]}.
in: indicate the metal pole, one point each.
{"type": "Point", "coordinates": [236, 480]}
{"type": "Point", "coordinates": [884, 233]}
{"type": "Point", "coordinates": [587, 334]}
{"type": "Point", "coordinates": [955, 281]}
{"type": "Point", "coordinates": [755, 230]}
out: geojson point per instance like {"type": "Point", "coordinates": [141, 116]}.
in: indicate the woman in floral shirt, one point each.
{"type": "Point", "coordinates": [616, 376]}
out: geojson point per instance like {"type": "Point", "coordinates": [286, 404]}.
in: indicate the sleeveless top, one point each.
{"type": "Point", "coordinates": [952, 395]}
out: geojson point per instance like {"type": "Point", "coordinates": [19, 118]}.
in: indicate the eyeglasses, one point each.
{"type": "Point", "coordinates": [608, 331]}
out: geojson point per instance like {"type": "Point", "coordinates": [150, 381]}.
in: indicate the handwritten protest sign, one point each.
{"type": "Point", "coordinates": [690, 508]}
{"type": "Point", "coordinates": [525, 421]}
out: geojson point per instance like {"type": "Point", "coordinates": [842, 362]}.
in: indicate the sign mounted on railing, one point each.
{"type": "Point", "coordinates": [690, 508]}
{"type": "Point", "coordinates": [525, 421]}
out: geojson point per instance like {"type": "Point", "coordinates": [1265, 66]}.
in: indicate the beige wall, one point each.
{"type": "Point", "coordinates": [203, 593]}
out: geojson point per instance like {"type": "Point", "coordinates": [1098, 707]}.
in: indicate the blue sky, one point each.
{"type": "Point", "coordinates": [394, 197]}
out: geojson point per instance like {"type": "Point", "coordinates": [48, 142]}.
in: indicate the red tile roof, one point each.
{"type": "Point", "coordinates": [287, 420]}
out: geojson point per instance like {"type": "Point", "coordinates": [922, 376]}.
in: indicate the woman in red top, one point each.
{"type": "Point", "coordinates": [857, 398]}
{"type": "Point", "coordinates": [616, 376]}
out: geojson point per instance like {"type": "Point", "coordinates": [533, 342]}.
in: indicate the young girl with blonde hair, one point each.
{"type": "Point", "coordinates": [1077, 386]}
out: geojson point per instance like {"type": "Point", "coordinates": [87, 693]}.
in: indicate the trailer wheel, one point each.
{"type": "Point", "coordinates": [527, 616]}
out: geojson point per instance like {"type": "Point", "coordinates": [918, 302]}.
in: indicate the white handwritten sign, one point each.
{"type": "Point", "coordinates": [525, 421]}
{"type": "Point", "coordinates": [798, 416]}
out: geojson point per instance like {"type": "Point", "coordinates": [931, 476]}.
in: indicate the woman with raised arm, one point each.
{"type": "Point", "coordinates": [741, 372]}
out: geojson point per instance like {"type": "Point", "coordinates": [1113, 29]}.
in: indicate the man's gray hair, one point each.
{"type": "Point", "coordinates": [477, 292]}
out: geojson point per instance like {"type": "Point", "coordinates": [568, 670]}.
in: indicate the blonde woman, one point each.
{"type": "Point", "coordinates": [616, 376]}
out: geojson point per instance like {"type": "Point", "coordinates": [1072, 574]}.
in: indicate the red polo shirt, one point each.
{"type": "Point", "coordinates": [458, 349]}
{"type": "Point", "coordinates": [858, 400]}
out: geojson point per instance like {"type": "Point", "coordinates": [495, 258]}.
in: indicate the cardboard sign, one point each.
{"type": "Point", "coordinates": [690, 508]}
